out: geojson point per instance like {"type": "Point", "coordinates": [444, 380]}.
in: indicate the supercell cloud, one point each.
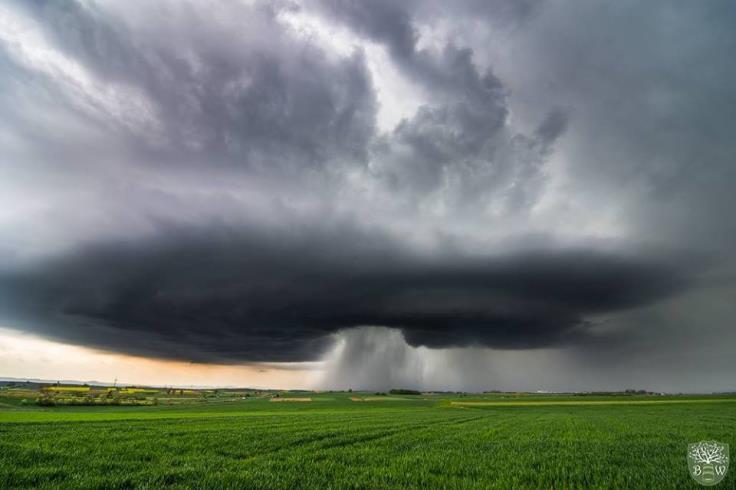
{"type": "Point", "coordinates": [249, 295]}
{"type": "Point", "coordinates": [235, 182]}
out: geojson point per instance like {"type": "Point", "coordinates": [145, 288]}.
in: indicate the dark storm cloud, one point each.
{"type": "Point", "coordinates": [256, 295]}
{"type": "Point", "coordinates": [205, 181]}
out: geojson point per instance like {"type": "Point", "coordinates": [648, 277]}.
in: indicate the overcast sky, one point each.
{"type": "Point", "coordinates": [477, 194]}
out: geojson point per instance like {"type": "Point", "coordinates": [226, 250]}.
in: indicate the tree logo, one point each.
{"type": "Point", "coordinates": [708, 461]}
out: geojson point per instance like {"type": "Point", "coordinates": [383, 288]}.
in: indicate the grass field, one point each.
{"type": "Point", "coordinates": [333, 441]}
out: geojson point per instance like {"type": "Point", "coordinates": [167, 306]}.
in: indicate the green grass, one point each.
{"type": "Point", "coordinates": [334, 442]}
{"type": "Point", "coordinates": [527, 403]}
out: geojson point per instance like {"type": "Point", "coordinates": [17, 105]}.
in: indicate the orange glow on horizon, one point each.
{"type": "Point", "coordinates": [24, 355]}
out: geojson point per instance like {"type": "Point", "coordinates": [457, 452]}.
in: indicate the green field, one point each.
{"type": "Point", "coordinates": [333, 441]}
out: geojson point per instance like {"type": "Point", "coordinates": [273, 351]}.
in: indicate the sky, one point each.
{"type": "Point", "coordinates": [504, 194]}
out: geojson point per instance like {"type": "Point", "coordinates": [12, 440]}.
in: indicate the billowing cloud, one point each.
{"type": "Point", "coordinates": [218, 182]}
{"type": "Point", "coordinates": [176, 90]}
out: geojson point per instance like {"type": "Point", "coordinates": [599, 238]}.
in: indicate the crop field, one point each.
{"type": "Point", "coordinates": [358, 440]}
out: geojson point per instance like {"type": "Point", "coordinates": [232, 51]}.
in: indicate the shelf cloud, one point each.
{"type": "Point", "coordinates": [223, 295]}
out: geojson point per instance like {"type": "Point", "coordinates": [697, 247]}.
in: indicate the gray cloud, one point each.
{"type": "Point", "coordinates": [218, 294]}
{"type": "Point", "coordinates": [459, 144]}
{"type": "Point", "coordinates": [209, 181]}
{"type": "Point", "coordinates": [265, 100]}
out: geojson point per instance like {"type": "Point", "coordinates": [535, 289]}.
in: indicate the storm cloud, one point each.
{"type": "Point", "coordinates": [222, 182]}
{"type": "Point", "coordinates": [222, 295]}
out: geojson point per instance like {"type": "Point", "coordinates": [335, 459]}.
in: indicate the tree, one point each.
{"type": "Point", "coordinates": [708, 453]}
{"type": "Point", "coordinates": [404, 391]}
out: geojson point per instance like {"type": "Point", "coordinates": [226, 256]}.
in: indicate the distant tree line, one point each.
{"type": "Point", "coordinates": [404, 391]}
